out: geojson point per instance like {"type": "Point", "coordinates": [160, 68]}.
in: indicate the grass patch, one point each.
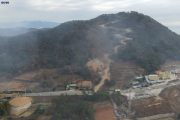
{"type": "Point", "coordinates": [98, 104]}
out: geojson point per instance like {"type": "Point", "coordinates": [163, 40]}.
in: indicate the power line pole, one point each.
{"type": "Point", "coordinates": [129, 103]}
{"type": "Point", "coordinates": [25, 90]}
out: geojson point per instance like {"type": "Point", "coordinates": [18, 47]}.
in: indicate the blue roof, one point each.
{"type": "Point", "coordinates": [138, 77]}
{"type": "Point", "coordinates": [143, 83]}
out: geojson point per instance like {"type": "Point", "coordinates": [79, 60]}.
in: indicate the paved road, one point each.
{"type": "Point", "coordinates": [155, 89]}
{"type": "Point", "coordinates": [56, 93]}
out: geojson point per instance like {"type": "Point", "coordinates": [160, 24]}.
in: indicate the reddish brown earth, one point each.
{"type": "Point", "coordinates": [104, 113]}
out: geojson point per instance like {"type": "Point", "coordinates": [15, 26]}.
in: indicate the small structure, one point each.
{"type": "Point", "coordinates": [135, 83]}
{"type": "Point", "coordinates": [71, 87]}
{"type": "Point", "coordinates": [150, 81]}
{"type": "Point", "coordinates": [143, 84]}
{"type": "Point", "coordinates": [139, 78]}
{"type": "Point", "coordinates": [2, 100]}
{"type": "Point", "coordinates": [153, 77]}
{"type": "Point", "coordinates": [141, 92]}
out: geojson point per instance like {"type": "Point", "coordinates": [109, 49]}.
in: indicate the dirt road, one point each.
{"type": "Point", "coordinates": [106, 71]}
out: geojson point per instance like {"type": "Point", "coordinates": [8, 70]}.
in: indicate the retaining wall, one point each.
{"type": "Point", "coordinates": [17, 108]}
{"type": "Point", "coordinates": [157, 116]}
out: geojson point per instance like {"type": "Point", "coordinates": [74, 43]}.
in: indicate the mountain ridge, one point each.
{"type": "Point", "coordinates": [76, 42]}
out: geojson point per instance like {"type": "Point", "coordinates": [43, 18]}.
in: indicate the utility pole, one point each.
{"type": "Point", "coordinates": [129, 103]}
{"type": "Point", "coordinates": [46, 88]}
{"type": "Point", "coordinates": [8, 89]}
{"type": "Point", "coordinates": [25, 90]}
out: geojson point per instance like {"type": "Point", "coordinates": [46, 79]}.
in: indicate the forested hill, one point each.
{"type": "Point", "coordinates": [74, 43]}
{"type": "Point", "coordinates": [152, 42]}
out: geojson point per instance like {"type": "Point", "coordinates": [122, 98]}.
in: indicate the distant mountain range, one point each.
{"type": "Point", "coordinates": [29, 24]}
{"type": "Point", "coordinates": [175, 29]}
{"type": "Point", "coordinates": [17, 31]}
{"type": "Point", "coordinates": [17, 28]}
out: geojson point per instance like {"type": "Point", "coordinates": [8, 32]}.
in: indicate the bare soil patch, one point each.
{"type": "Point", "coordinates": [104, 113]}
{"type": "Point", "coordinates": [28, 75]}
{"type": "Point", "coordinates": [14, 86]}
{"type": "Point", "coordinates": [96, 63]}
{"type": "Point", "coordinates": [172, 95]}
{"type": "Point", "coordinates": [151, 106]}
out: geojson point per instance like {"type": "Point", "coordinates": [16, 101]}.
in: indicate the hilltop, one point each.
{"type": "Point", "coordinates": [140, 38]}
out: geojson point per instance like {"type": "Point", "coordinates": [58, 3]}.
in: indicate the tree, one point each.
{"type": "Point", "coordinates": [109, 83]}
{"type": "Point", "coordinates": [5, 108]}
{"type": "Point", "coordinates": [119, 102]}
{"type": "Point", "coordinates": [75, 117]}
{"type": "Point", "coordinates": [178, 116]}
{"type": "Point", "coordinates": [56, 116]}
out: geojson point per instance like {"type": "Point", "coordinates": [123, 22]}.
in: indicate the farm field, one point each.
{"type": "Point", "coordinates": [105, 113]}
{"type": "Point", "coordinates": [28, 75]}
{"type": "Point", "coordinates": [12, 86]}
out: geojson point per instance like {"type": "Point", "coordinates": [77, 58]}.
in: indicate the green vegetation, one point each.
{"type": "Point", "coordinates": [178, 116]}
{"type": "Point", "coordinates": [48, 83]}
{"type": "Point", "coordinates": [76, 107]}
{"type": "Point", "coordinates": [116, 98]}
{"type": "Point", "coordinates": [74, 43]}
{"type": "Point", "coordinates": [152, 43]}
{"type": "Point", "coordinates": [4, 108]}
{"type": "Point", "coordinates": [37, 112]}
{"type": "Point", "coordinates": [109, 83]}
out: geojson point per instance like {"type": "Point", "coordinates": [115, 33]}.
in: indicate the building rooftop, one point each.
{"type": "Point", "coordinates": [140, 92]}
{"type": "Point", "coordinates": [153, 75]}
{"type": "Point", "coordinates": [135, 82]}
{"type": "Point", "coordinates": [164, 72]}
{"type": "Point", "coordinates": [71, 85]}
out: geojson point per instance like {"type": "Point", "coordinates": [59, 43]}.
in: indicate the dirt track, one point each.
{"type": "Point", "coordinates": [106, 71]}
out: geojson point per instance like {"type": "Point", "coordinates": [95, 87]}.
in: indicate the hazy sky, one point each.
{"type": "Point", "coordinates": [166, 12]}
